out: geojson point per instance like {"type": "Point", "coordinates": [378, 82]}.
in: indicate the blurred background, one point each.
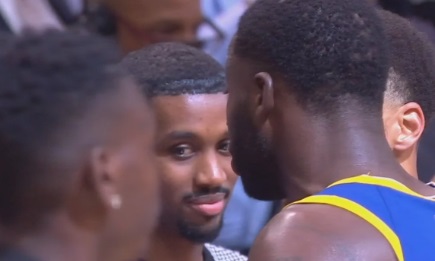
{"type": "Point", "coordinates": [206, 24]}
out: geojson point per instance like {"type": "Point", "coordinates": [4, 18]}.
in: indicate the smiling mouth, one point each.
{"type": "Point", "coordinates": [209, 205]}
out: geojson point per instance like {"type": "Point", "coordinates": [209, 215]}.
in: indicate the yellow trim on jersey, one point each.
{"type": "Point", "coordinates": [361, 212]}
{"type": "Point", "coordinates": [380, 181]}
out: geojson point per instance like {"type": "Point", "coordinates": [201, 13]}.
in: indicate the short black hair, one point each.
{"type": "Point", "coordinates": [48, 82]}
{"type": "Point", "coordinates": [412, 64]}
{"type": "Point", "coordinates": [165, 69]}
{"type": "Point", "coordinates": [328, 51]}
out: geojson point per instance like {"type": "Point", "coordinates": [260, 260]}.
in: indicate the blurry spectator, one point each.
{"type": "Point", "coordinates": [77, 179]}
{"type": "Point", "coordinates": [137, 23]}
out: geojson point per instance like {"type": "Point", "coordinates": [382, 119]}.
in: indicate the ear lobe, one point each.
{"type": "Point", "coordinates": [264, 100]}
{"type": "Point", "coordinates": [412, 125]}
{"type": "Point", "coordinates": [95, 192]}
{"type": "Point", "coordinates": [103, 173]}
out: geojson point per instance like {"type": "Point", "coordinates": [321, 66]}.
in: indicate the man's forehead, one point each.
{"type": "Point", "coordinates": [187, 106]}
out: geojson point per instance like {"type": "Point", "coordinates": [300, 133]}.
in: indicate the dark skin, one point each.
{"type": "Point", "coordinates": [303, 142]}
{"type": "Point", "coordinates": [192, 147]}
{"type": "Point", "coordinates": [106, 156]}
{"type": "Point", "coordinates": [143, 22]}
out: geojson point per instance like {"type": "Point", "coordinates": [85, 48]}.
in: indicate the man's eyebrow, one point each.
{"type": "Point", "coordinates": [180, 135]}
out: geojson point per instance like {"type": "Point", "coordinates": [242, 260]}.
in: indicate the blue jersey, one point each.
{"type": "Point", "coordinates": [405, 218]}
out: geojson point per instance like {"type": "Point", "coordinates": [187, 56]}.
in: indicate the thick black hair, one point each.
{"type": "Point", "coordinates": [412, 64]}
{"type": "Point", "coordinates": [175, 69]}
{"type": "Point", "coordinates": [328, 51]}
{"type": "Point", "coordinates": [48, 82]}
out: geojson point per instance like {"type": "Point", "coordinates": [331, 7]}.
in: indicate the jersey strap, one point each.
{"type": "Point", "coordinates": [383, 182]}
{"type": "Point", "coordinates": [361, 212]}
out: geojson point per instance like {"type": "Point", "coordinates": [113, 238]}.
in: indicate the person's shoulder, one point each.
{"type": "Point", "coordinates": [312, 232]}
{"type": "Point", "coordinates": [223, 254]}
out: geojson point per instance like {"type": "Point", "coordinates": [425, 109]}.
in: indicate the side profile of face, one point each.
{"type": "Point", "coordinates": [144, 22]}
{"type": "Point", "coordinates": [254, 159]}
{"type": "Point", "coordinates": [125, 175]}
{"type": "Point", "coordinates": [194, 164]}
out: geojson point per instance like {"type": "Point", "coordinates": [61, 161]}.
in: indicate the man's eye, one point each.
{"type": "Point", "coordinates": [182, 152]}
{"type": "Point", "coordinates": [224, 147]}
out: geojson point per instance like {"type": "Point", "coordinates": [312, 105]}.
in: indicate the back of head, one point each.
{"type": "Point", "coordinates": [47, 83]}
{"type": "Point", "coordinates": [175, 69]}
{"type": "Point", "coordinates": [412, 63]}
{"type": "Point", "coordinates": [329, 52]}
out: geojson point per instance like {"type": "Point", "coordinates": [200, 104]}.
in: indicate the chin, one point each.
{"type": "Point", "coordinates": [201, 233]}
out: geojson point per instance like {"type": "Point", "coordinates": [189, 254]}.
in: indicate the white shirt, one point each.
{"type": "Point", "coordinates": [29, 14]}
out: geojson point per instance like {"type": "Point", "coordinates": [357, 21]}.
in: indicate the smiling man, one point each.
{"type": "Point", "coordinates": [186, 89]}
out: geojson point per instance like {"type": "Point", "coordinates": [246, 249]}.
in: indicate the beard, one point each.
{"type": "Point", "coordinates": [254, 160]}
{"type": "Point", "coordinates": [198, 234]}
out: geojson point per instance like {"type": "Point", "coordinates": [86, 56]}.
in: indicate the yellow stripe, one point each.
{"type": "Point", "coordinates": [381, 181]}
{"type": "Point", "coordinates": [363, 213]}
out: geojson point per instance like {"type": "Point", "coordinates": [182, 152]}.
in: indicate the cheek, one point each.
{"type": "Point", "coordinates": [176, 178]}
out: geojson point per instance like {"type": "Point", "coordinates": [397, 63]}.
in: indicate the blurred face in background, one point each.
{"type": "Point", "coordinates": [143, 22]}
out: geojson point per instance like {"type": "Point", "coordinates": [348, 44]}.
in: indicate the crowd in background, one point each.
{"type": "Point", "coordinates": [209, 25]}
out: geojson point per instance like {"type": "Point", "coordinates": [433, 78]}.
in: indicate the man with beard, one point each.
{"type": "Point", "coordinates": [186, 89]}
{"type": "Point", "coordinates": [319, 107]}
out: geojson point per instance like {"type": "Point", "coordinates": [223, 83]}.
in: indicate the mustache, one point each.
{"type": "Point", "coordinates": [207, 192]}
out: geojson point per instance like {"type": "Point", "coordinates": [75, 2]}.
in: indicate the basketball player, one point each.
{"type": "Point", "coordinates": [410, 93]}
{"type": "Point", "coordinates": [306, 81]}
{"type": "Point", "coordinates": [186, 89]}
{"type": "Point", "coordinates": [76, 179]}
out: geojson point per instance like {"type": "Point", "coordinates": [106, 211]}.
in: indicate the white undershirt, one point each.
{"type": "Point", "coordinates": [10, 15]}
{"type": "Point", "coordinates": [29, 14]}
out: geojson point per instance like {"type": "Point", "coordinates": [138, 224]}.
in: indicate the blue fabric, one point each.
{"type": "Point", "coordinates": [226, 20]}
{"type": "Point", "coordinates": [411, 218]}
{"type": "Point", "coordinates": [213, 8]}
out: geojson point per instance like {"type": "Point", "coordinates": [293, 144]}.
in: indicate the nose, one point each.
{"type": "Point", "coordinates": [209, 172]}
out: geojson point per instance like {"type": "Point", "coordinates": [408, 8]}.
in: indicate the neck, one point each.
{"type": "Point", "coordinates": [409, 162]}
{"type": "Point", "coordinates": [334, 150]}
{"type": "Point", "coordinates": [55, 241]}
{"type": "Point", "coordinates": [168, 246]}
